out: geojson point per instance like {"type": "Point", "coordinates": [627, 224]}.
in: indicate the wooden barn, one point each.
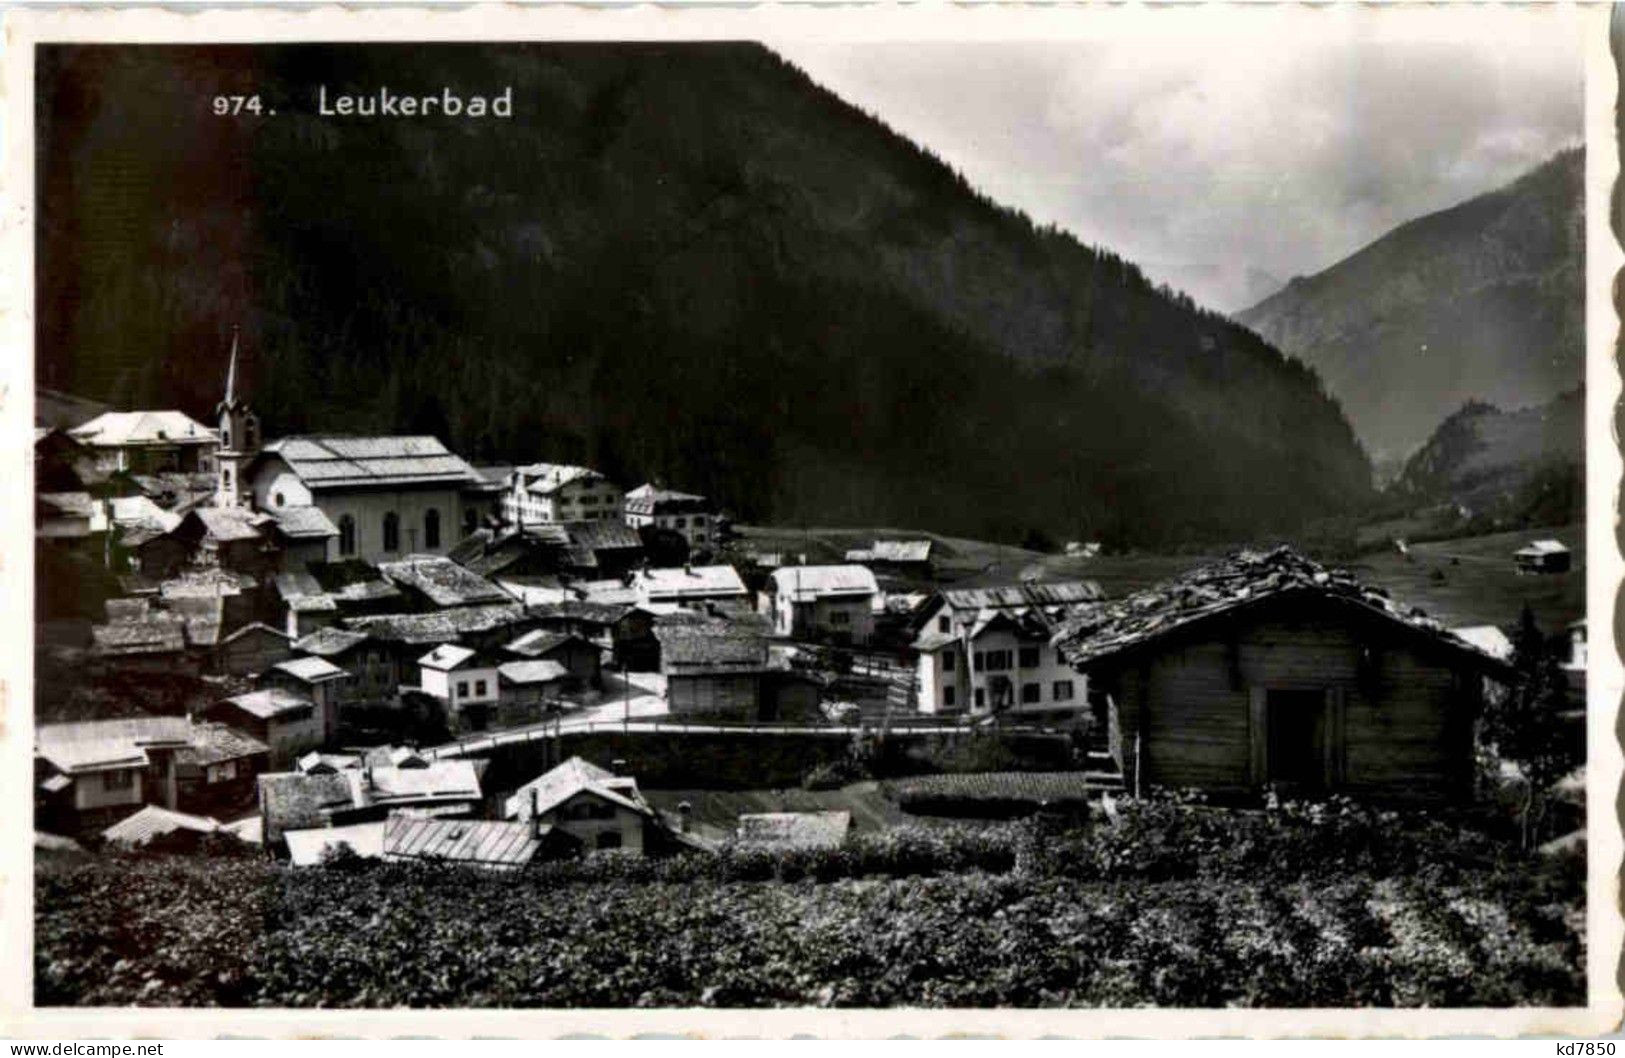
{"type": "Point", "coordinates": [1269, 670]}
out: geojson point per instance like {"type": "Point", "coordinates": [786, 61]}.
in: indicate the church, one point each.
{"type": "Point", "coordinates": [345, 497]}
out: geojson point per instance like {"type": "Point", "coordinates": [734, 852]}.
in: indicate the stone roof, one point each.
{"type": "Point", "coordinates": [232, 524]}
{"type": "Point", "coordinates": [296, 801]}
{"type": "Point", "coordinates": [329, 642]}
{"type": "Point", "coordinates": [271, 702]}
{"type": "Point", "coordinates": [1244, 579]}
{"type": "Point", "coordinates": [157, 634]}
{"type": "Point", "coordinates": [303, 523]}
{"type": "Point", "coordinates": [690, 650]}
{"type": "Point", "coordinates": [118, 429]}
{"type": "Point", "coordinates": [806, 583]}
{"type": "Point", "coordinates": [332, 461]}
{"type": "Point", "coordinates": [442, 581]}
{"type": "Point", "coordinates": [444, 626]}
{"type": "Point", "coordinates": [1019, 596]}
{"type": "Point", "coordinates": [212, 743]}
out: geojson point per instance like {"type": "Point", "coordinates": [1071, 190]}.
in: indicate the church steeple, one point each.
{"type": "Point", "coordinates": [239, 440]}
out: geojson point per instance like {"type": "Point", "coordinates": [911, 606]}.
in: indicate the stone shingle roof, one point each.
{"type": "Point", "coordinates": [444, 626]}
{"type": "Point", "coordinates": [1245, 579]}
{"type": "Point", "coordinates": [794, 829]}
{"type": "Point", "coordinates": [331, 461]}
{"type": "Point", "coordinates": [212, 743]}
{"type": "Point", "coordinates": [442, 581]}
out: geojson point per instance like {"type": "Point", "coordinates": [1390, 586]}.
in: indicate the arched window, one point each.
{"type": "Point", "coordinates": [226, 473]}
{"type": "Point", "coordinates": [392, 531]}
{"type": "Point", "coordinates": [279, 500]}
{"type": "Point", "coordinates": [225, 436]}
{"type": "Point", "coordinates": [431, 529]}
{"type": "Point", "coordinates": [346, 535]}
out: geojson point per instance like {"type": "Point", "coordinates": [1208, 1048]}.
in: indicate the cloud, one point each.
{"type": "Point", "coordinates": [1274, 147]}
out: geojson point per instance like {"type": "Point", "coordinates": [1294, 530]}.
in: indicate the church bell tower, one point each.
{"type": "Point", "coordinates": [239, 441]}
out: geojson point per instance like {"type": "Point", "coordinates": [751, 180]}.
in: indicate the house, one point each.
{"type": "Point", "coordinates": [1269, 669]}
{"type": "Point", "coordinates": [433, 582]}
{"type": "Point", "coordinates": [513, 551]}
{"type": "Point", "coordinates": [317, 763]}
{"type": "Point", "coordinates": [304, 535]}
{"type": "Point", "coordinates": [690, 585]}
{"type": "Point", "coordinates": [794, 830]}
{"type": "Point", "coordinates": [154, 642]}
{"type": "Point", "coordinates": [491, 844]}
{"type": "Point", "coordinates": [527, 690]}
{"type": "Point", "coordinates": [147, 442]}
{"type": "Point", "coordinates": [822, 602]}
{"type": "Point", "coordinates": [896, 558]}
{"type": "Point", "coordinates": [1002, 663]}
{"type": "Point", "coordinates": [229, 538]}
{"type": "Point", "coordinates": [601, 548]}
{"type": "Point", "coordinates": [632, 638]}
{"type": "Point", "coordinates": [952, 610]}
{"type": "Point", "coordinates": [252, 649]}
{"type": "Point", "coordinates": [464, 680]}
{"type": "Point", "coordinates": [592, 805]}
{"type": "Point", "coordinates": [287, 722]}
{"type": "Point", "coordinates": [690, 516]}
{"type": "Point", "coordinates": [322, 797]}
{"type": "Point", "coordinates": [556, 492]}
{"type": "Point", "coordinates": [1576, 663]}
{"type": "Point", "coordinates": [404, 638]}
{"type": "Point", "coordinates": [56, 461]}
{"type": "Point", "coordinates": [306, 605]}
{"type": "Point", "coordinates": [314, 678]}
{"type": "Point", "coordinates": [216, 770]}
{"type": "Point", "coordinates": [69, 519]}
{"type": "Point", "coordinates": [712, 671]}
{"type": "Point", "coordinates": [373, 676]}
{"type": "Point", "coordinates": [581, 660]}
{"type": "Point", "coordinates": [482, 497]}
{"type": "Point", "coordinates": [1544, 556]}
{"type": "Point", "coordinates": [96, 769]}
{"type": "Point", "coordinates": [386, 496]}
{"type": "Point", "coordinates": [357, 588]}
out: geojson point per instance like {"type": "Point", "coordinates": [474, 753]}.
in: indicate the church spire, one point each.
{"type": "Point", "coordinates": [231, 371]}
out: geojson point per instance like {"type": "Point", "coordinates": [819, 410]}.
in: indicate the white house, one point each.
{"type": "Point", "coordinates": [689, 585]}
{"type": "Point", "coordinates": [146, 442]}
{"type": "Point", "coordinates": [598, 808]}
{"type": "Point", "coordinates": [459, 677]}
{"type": "Point", "coordinates": [833, 602]}
{"type": "Point", "coordinates": [542, 493]}
{"type": "Point", "coordinates": [681, 512]}
{"type": "Point", "coordinates": [982, 650]}
{"type": "Point", "coordinates": [109, 764]}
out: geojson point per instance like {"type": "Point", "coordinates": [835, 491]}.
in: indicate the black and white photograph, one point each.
{"type": "Point", "coordinates": [1069, 519]}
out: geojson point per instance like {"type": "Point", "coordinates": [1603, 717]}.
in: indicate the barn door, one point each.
{"type": "Point", "coordinates": [1295, 737]}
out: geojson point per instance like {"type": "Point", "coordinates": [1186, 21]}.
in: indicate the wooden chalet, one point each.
{"type": "Point", "coordinates": [1266, 669]}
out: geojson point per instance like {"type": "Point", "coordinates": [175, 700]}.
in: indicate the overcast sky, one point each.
{"type": "Point", "coordinates": [1225, 167]}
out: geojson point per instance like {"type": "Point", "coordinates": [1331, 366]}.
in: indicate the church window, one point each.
{"type": "Point", "coordinates": [431, 528]}
{"type": "Point", "coordinates": [346, 535]}
{"type": "Point", "coordinates": [392, 531]}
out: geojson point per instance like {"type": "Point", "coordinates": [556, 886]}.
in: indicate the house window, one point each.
{"type": "Point", "coordinates": [1029, 657]}
{"type": "Point", "coordinates": [947, 661]}
{"type": "Point", "coordinates": [993, 660]}
{"type": "Point", "coordinates": [479, 688]}
{"type": "Point", "coordinates": [682, 523]}
{"type": "Point", "coordinates": [118, 780]}
{"type": "Point", "coordinates": [1031, 692]}
{"type": "Point", "coordinates": [346, 535]}
{"type": "Point", "coordinates": [840, 617]}
{"type": "Point", "coordinates": [1062, 691]}
{"type": "Point", "coordinates": [392, 531]}
{"type": "Point", "coordinates": [609, 839]}
{"type": "Point", "coordinates": [947, 696]}
{"type": "Point", "coordinates": [699, 521]}
{"type": "Point", "coordinates": [471, 520]}
{"type": "Point", "coordinates": [981, 697]}
{"type": "Point", "coordinates": [942, 623]}
{"type": "Point", "coordinates": [279, 500]}
{"type": "Point", "coordinates": [223, 772]}
{"type": "Point", "coordinates": [431, 528]}
{"type": "Point", "coordinates": [462, 688]}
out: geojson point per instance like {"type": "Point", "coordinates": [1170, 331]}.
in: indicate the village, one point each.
{"type": "Point", "coordinates": [391, 653]}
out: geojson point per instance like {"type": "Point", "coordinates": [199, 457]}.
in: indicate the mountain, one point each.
{"type": "Point", "coordinates": [1483, 301]}
{"type": "Point", "coordinates": [1521, 467]}
{"type": "Point", "coordinates": [685, 262]}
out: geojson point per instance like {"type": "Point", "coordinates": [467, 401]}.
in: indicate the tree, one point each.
{"type": "Point", "coordinates": [1526, 725]}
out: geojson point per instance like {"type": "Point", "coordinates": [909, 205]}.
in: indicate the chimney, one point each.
{"type": "Point", "coordinates": [535, 816]}
{"type": "Point", "coordinates": [684, 811]}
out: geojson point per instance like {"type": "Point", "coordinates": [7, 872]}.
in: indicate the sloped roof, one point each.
{"type": "Point", "coordinates": [271, 702]}
{"type": "Point", "coordinates": [303, 523]}
{"type": "Point", "coordinates": [1488, 638]}
{"type": "Point", "coordinates": [544, 478]}
{"type": "Point", "coordinates": [96, 745]}
{"type": "Point", "coordinates": [687, 582]}
{"type": "Point", "coordinates": [490, 478]}
{"type": "Point", "coordinates": [1246, 578]}
{"type": "Point", "coordinates": [442, 780]}
{"type": "Point", "coordinates": [134, 511]}
{"type": "Point", "coordinates": [232, 524]}
{"type": "Point", "coordinates": [553, 788]}
{"type": "Point", "coordinates": [331, 461]}
{"type": "Point", "coordinates": [155, 821]}
{"type": "Point", "coordinates": [477, 842]}
{"type": "Point", "coordinates": [902, 550]}
{"type": "Point", "coordinates": [1015, 596]}
{"type": "Point", "coordinates": [538, 643]}
{"type": "Point", "coordinates": [580, 610]}
{"type": "Point", "coordinates": [779, 830]}
{"type": "Point", "coordinates": [307, 847]}
{"type": "Point", "coordinates": [203, 583]}
{"type": "Point", "coordinates": [202, 617]}
{"type": "Point", "coordinates": [314, 761]}
{"type": "Point", "coordinates": [442, 581]}
{"type": "Point", "coordinates": [522, 672]}
{"type": "Point", "coordinates": [806, 583]}
{"type": "Point", "coordinates": [329, 642]}
{"type": "Point", "coordinates": [649, 500]}
{"type": "Point", "coordinates": [1544, 547]}
{"type": "Point", "coordinates": [603, 535]}
{"type": "Point", "coordinates": [310, 669]}
{"type": "Point", "coordinates": [444, 626]}
{"type": "Point", "coordinates": [212, 743]}
{"type": "Point", "coordinates": [295, 801]}
{"type": "Point", "coordinates": [115, 429]}
{"type": "Point", "coordinates": [157, 634]}
{"type": "Point", "coordinates": [690, 648]}
{"type": "Point", "coordinates": [445, 657]}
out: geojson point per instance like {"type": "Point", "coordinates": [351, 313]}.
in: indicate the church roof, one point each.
{"type": "Point", "coordinates": [331, 462]}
